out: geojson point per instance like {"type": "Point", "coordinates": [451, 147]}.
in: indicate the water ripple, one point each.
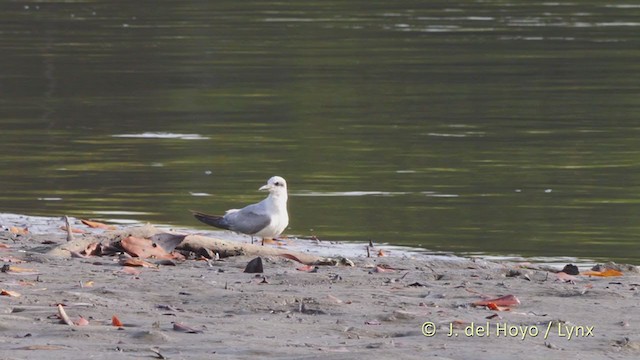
{"type": "Point", "coordinates": [163, 135]}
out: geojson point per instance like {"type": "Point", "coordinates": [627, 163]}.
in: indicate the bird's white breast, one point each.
{"type": "Point", "coordinates": [279, 219]}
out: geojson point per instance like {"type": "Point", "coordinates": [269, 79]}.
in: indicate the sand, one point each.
{"type": "Point", "coordinates": [380, 308]}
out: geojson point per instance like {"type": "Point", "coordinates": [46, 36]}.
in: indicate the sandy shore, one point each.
{"type": "Point", "coordinates": [404, 305]}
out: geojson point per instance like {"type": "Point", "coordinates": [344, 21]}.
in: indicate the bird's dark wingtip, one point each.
{"type": "Point", "coordinates": [213, 220]}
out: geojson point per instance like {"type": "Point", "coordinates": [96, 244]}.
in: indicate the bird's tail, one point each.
{"type": "Point", "coordinates": [213, 220]}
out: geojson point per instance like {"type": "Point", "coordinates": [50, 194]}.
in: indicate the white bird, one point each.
{"type": "Point", "coordinates": [266, 219]}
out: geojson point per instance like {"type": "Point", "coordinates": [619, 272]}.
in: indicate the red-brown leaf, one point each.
{"type": "Point", "coordinates": [507, 300]}
{"type": "Point", "coordinates": [97, 225]}
{"type": "Point", "coordinates": [116, 322]}
{"type": "Point", "coordinates": [307, 268]}
{"type": "Point", "coordinates": [144, 248]}
{"type": "Point", "coordinates": [81, 321]}
{"type": "Point", "coordinates": [292, 257]}
{"type": "Point", "coordinates": [4, 292]}
{"type": "Point", "coordinates": [493, 306]}
{"type": "Point", "coordinates": [136, 263]}
{"type": "Point", "coordinates": [383, 268]}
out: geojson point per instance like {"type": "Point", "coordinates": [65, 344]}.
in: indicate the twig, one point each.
{"type": "Point", "coordinates": [63, 315]}
{"type": "Point", "coordinates": [69, 233]}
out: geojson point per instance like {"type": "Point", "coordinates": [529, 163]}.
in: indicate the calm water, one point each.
{"type": "Point", "coordinates": [499, 127]}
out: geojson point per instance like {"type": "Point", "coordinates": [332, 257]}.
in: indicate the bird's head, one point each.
{"type": "Point", "coordinates": [275, 185]}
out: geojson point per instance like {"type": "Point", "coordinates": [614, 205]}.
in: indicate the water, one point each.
{"type": "Point", "coordinates": [488, 127]}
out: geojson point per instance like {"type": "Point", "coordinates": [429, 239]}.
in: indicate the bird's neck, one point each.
{"type": "Point", "coordinates": [279, 199]}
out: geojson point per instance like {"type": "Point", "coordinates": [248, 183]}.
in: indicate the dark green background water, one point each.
{"type": "Point", "coordinates": [500, 127]}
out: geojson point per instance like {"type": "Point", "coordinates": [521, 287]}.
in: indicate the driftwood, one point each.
{"type": "Point", "coordinates": [195, 243]}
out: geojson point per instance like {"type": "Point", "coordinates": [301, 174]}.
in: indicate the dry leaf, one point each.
{"type": "Point", "coordinates": [19, 231]}
{"type": "Point", "coordinates": [383, 268]}
{"type": "Point", "coordinates": [116, 322]}
{"type": "Point", "coordinates": [605, 273]}
{"type": "Point", "coordinates": [73, 230]}
{"type": "Point", "coordinates": [17, 269]}
{"type": "Point", "coordinates": [167, 241]}
{"type": "Point", "coordinates": [185, 329]}
{"type": "Point", "coordinates": [165, 262]}
{"type": "Point", "coordinates": [131, 271]}
{"type": "Point", "coordinates": [308, 268]}
{"type": "Point", "coordinates": [507, 300]}
{"type": "Point", "coordinates": [381, 253]}
{"type": "Point", "coordinates": [493, 306]}
{"type": "Point", "coordinates": [292, 257]}
{"type": "Point", "coordinates": [93, 249]}
{"type": "Point", "coordinates": [11, 259]}
{"type": "Point", "coordinates": [144, 248]}
{"type": "Point", "coordinates": [98, 225]}
{"type": "Point", "coordinates": [82, 322]}
{"type": "Point", "coordinates": [4, 246]}
{"type": "Point", "coordinates": [334, 299]}
{"type": "Point", "coordinates": [585, 288]}
{"type": "Point", "coordinates": [562, 276]}
{"type": "Point", "coordinates": [4, 292]}
{"type": "Point", "coordinates": [63, 315]}
{"type": "Point", "coordinates": [137, 263]}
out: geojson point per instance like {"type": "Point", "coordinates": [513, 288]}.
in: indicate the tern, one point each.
{"type": "Point", "coordinates": [266, 219]}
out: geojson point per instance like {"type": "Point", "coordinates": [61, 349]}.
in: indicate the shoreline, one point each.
{"type": "Point", "coordinates": [406, 305]}
{"type": "Point", "coordinates": [320, 247]}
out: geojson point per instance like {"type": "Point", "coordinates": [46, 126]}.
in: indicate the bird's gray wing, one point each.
{"type": "Point", "coordinates": [248, 220]}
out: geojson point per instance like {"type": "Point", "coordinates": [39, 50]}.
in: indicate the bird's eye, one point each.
{"type": "Point", "coordinates": [277, 183]}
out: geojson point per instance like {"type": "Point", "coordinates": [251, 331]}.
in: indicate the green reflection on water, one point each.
{"type": "Point", "coordinates": [472, 127]}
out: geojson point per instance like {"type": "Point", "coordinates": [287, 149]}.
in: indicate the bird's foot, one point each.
{"type": "Point", "coordinates": [273, 242]}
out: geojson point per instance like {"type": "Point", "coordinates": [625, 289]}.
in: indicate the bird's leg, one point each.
{"type": "Point", "coordinates": [251, 239]}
